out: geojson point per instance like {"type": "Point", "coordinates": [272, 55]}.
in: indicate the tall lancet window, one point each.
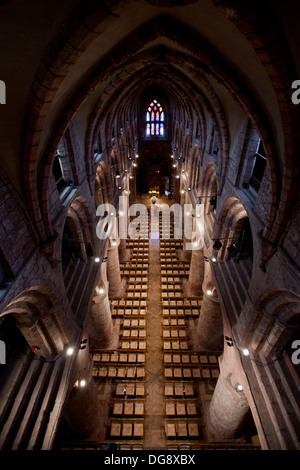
{"type": "Point", "coordinates": [155, 120]}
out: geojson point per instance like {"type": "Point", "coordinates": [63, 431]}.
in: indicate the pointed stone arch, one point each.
{"type": "Point", "coordinates": [43, 321]}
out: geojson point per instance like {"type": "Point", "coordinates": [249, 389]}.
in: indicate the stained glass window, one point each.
{"type": "Point", "coordinates": [155, 119]}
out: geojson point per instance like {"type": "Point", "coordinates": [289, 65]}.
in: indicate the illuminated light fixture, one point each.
{"type": "Point", "coordinates": [195, 243]}
{"type": "Point", "coordinates": [134, 164]}
{"type": "Point", "coordinates": [97, 260]}
{"type": "Point", "coordinates": [131, 177]}
{"type": "Point", "coordinates": [189, 189]}
{"type": "Point", "coordinates": [246, 352]}
{"type": "Point", "coordinates": [214, 259]}
{"type": "Point", "coordinates": [183, 191]}
{"type": "Point", "coordinates": [121, 213]}
{"type": "Point", "coordinates": [82, 383]}
{"type": "Point", "coordinates": [183, 171]}
{"type": "Point", "coordinates": [117, 174]}
{"type": "Point", "coordinates": [209, 292]}
{"type": "Point", "coordinates": [126, 171]}
{"type": "Point", "coordinates": [239, 388]}
{"type": "Point", "coordinates": [136, 156]}
{"type": "Point", "coordinates": [101, 290]}
{"type": "Point", "coordinates": [188, 213]}
{"type": "Point", "coordinates": [174, 166]}
{"type": "Point", "coordinates": [177, 176]}
{"type": "Point", "coordinates": [114, 243]}
{"type": "Point", "coordinates": [172, 156]}
{"type": "Point", "coordinates": [70, 351]}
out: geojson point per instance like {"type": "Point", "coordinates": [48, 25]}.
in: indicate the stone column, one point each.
{"type": "Point", "coordinates": [124, 252]}
{"type": "Point", "coordinates": [116, 287]}
{"type": "Point", "coordinates": [210, 323]}
{"type": "Point", "coordinates": [102, 332]}
{"type": "Point", "coordinates": [83, 411]}
{"type": "Point", "coordinates": [193, 286]}
{"type": "Point", "coordinates": [229, 407]}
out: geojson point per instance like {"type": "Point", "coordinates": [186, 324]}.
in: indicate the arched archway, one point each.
{"type": "Point", "coordinates": [45, 324]}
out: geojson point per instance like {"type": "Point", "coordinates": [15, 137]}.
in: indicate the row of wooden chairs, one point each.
{"type": "Point", "coordinates": [175, 345]}
{"type": "Point", "coordinates": [181, 312]}
{"type": "Point", "coordinates": [118, 372]}
{"type": "Point", "coordinates": [134, 323]}
{"type": "Point", "coordinates": [192, 358]}
{"type": "Point", "coordinates": [141, 274]}
{"type": "Point", "coordinates": [133, 345]}
{"type": "Point", "coordinates": [133, 333]}
{"type": "Point", "coordinates": [117, 357]}
{"type": "Point", "coordinates": [123, 312]}
{"type": "Point", "coordinates": [180, 409]}
{"type": "Point", "coordinates": [134, 278]}
{"type": "Point", "coordinates": [182, 429]}
{"type": "Point", "coordinates": [129, 303]}
{"type": "Point", "coordinates": [179, 389]}
{"type": "Point", "coordinates": [173, 373]}
{"type": "Point", "coordinates": [174, 333]}
{"type": "Point", "coordinates": [186, 302]}
{"type": "Point", "coordinates": [175, 272]}
{"type": "Point", "coordinates": [129, 430]}
{"type": "Point", "coordinates": [130, 390]}
{"type": "Point", "coordinates": [128, 408]}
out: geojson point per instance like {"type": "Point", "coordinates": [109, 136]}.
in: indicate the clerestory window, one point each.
{"type": "Point", "coordinates": [155, 120]}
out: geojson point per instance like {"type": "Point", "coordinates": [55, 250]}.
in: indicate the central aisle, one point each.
{"type": "Point", "coordinates": [154, 400]}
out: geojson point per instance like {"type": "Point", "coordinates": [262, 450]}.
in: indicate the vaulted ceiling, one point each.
{"type": "Point", "coordinates": [77, 60]}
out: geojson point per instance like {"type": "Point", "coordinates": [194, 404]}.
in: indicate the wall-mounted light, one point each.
{"type": "Point", "coordinates": [97, 260]}
{"type": "Point", "coordinates": [82, 383]}
{"type": "Point", "coordinates": [239, 388]}
{"type": "Point", "coordinates": [83, 344]}
{"type": "Point", "coordinates": [245, 351]}
{"type": "Point", "coordinates": [209, 292]}
{"type": "Point", "coordinates": [232, 248]}
{"type": "Point", "coordinates": [217, 245]}
{"type": "Point", "coordinates": [229, 341]}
